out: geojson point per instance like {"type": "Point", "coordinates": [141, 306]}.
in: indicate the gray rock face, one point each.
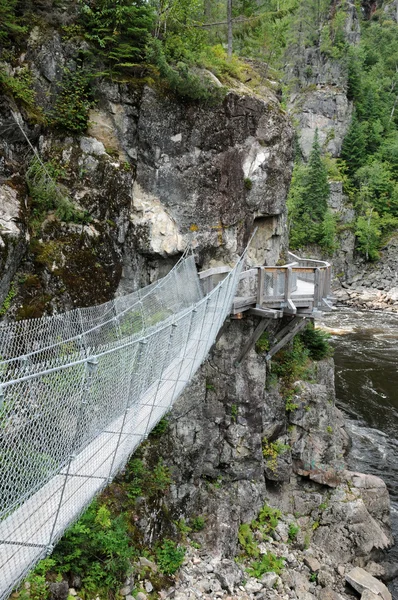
{"type": "Point", "coordinates": [327, 110]}
{"type": "Point", "coordinates": [319, 99]}
{"type": "Point", "coordinates": [12, 236]}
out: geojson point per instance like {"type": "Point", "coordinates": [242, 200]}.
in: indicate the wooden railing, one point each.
{"type": "Point", "coordinates": [303, 286]}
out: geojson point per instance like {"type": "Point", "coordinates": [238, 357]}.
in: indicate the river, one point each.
{"type": "Point", "coordinates": [366, 359]}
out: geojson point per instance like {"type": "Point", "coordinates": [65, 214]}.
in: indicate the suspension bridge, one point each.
{"type": "Point", "coordinates": [80, 390]}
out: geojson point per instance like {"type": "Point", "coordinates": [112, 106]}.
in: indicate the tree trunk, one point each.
{"type": "Point", "coordinates": [229, 19]}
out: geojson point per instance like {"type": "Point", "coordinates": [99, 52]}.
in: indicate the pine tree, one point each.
{"type": "Point", "coordinates": [8, 21]}
{"type": "Point", "coordinates": [353, 151]}
{"type": "Point", "coordinates": [119, 28]}
{"type": "Point", "coordinates": [316, 189]}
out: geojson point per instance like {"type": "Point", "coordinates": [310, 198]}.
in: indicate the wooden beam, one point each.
{"type": "Point", "coordinates": [282, 342]}
{"type": "Point", "coordinates": [214, 271]}
{"type": "Point", "coordinates": [266, 313]}
{"type": "Point", "coordinates": [261, 327]}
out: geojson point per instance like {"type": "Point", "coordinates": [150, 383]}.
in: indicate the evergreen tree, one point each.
{"type": "Point", "coordinates": [119, 28]}
{"type": "Point", "coordinates": [329, 232]}
{"type": "Point", "coordinates": [316, 189]}
{"type": "Point", "coordinates": [8, 21]}
{"type": "Point", "coordinates": [353, 151]}
{"type": "Point", "coordinates": [368, 233]}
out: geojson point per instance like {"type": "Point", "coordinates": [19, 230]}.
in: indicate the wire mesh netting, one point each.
{"type": "Point", "coordinates": [78, 393]}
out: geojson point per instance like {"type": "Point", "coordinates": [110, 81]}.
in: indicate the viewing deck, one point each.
{"type": "Point", "coordinates": [301, 287]}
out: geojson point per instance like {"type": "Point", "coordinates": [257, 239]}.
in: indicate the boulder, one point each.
{"type": "Point", "coordinates": [229, 574]}
{"type": "Point", "coordinates": [362, 581]}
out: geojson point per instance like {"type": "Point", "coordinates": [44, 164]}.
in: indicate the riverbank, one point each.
{"type": "Point", "coordinates": [368, 298]}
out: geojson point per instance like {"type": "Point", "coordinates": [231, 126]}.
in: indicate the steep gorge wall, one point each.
{"type": "Point", "coordinates": [155, 174]}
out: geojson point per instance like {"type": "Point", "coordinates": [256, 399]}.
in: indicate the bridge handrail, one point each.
{"type": "Point", "coordinates": [24, 360]}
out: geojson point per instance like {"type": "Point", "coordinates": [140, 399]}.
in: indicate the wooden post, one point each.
{"type": "Point", "coordinates": [317, 287]}
{"type": "Point", "coordinates": [288, 283]}
{"type": "Point", "coordinates": [275, 282]}
{"type": "Point", "coordinates": [260, 286]}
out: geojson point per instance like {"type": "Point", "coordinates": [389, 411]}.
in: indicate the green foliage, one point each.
{"type": "Point", "coordinates": [263, 343]}
{"type": "Point", "coordinates": [267, 564]}
{"type": "Point", "coordinates": [73, 102]}
{"type": "Point", "coordinates": [47, 195]}
{"type": "Point", "coordinates": [248, 183]}
{"type": "Point", "coordinates": [328, 239]}
{"type": "Point", "coordinates": [368, 233]}
{"type": "Point", "coordinates": [234, 412]}
{"type": "Point", "coordinates": [38, 588]}
{"type": "Point", "coordinates": [291, 364]}
{"type": "Point", "coordinates": [119, 30]}
{"type": "Point", "coordinates": [271, 451]}
{"type": "Point", "coordinates": [12, 292]}
{"type": "Point", "coordinates": [247, 540]}
{"type": "Point", "coordinates": [10, 26]}
{"type": "Point", "coordinates": [370, 148]}
{"type": "Point", "coordinates": [293, 531]}
{"type": "Point", "coordinates": [197, 523]}
{"type": "Point", "coordinates": [142, 480]}
{"type": "Point", "coordinates": [309, 219]}
{"type": "Point", "coordinates": [316, 342]}
{"type": "Point", "coordinates": [19, 86]}
{"type": "Point", "coordinates": [181, 80]}
{"type": "Point", "coordinates": [250, 534]}
{"type": "Point", "coordinates": [97, 548]}
{"type": "Point", "coordinates": [160, 428]}
{"type": "Point", "coordinates": [169, 556]}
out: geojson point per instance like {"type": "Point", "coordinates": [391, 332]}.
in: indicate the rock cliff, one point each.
{"type": "Point", "coordinates": [152, 175]}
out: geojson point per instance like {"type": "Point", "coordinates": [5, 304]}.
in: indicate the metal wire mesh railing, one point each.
{"type": "Point", "coordinates": [78, 393]}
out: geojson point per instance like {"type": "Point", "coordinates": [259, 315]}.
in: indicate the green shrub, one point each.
{"type": "Point", "coordinates": [141, 480]}
{"type": "Point", "coordinates": [271, 451]}
{"type": "Point", "coordinates": [160, 428]}
{"type": "Point", "coordinates": [12, 292]}
{"type": "Point", "coordinates": [248, 183]}
{"type": "Point", "coordinates": [247, 541]}
{"type": "Point", "coordinates": [197, 523]}
{"type": "Point", "coordinates": [119, 31]}
{"type": "Point", "coordinates": [97, 548]}
{"type": "Point", "coordinates": [316, 342]}
{"type": "Point", "coordinates": [73, 102]}
{"type": "Point", "coordinates": [181, 80]}
{"type": "Point", "coordinates": [19, 85]}
{"type": "Point", "coordinates": [293, 531]}
{"type": "Point", "coordinates": [169, 556]}
{"type": "Point", "coordinates": [263, 343]}
{"type": "Point", "coordinates": [9, 23]}
{"type": "Point", "coordinates": [47, 195]}
{"type": "Point", "coordinates": [267, 564]}
{"type": "Point", "coordinates": [291, 364]}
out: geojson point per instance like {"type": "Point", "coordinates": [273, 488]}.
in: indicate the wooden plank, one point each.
{"type": "Point", "coordinates": [241, 302]}
{"type": "Point", "coordinates": [267, 313]}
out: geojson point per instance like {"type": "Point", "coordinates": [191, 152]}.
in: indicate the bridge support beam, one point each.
{"type": "Point", "coordinates": [261, 327]}
{"type": "Point", "coordinates": [286, 334]}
